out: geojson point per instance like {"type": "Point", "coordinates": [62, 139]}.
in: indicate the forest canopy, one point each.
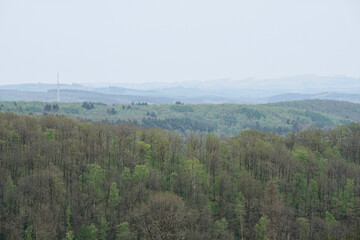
{"type": "Point", "coordinates": [218, 119]}
{"type": "Point", "coordinates": [61, 178]}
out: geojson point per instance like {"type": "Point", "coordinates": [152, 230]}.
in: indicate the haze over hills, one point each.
{"type": "Point", "coordinates": [179, 120]}
{"type": "Point", "coordinates": [246, 91]}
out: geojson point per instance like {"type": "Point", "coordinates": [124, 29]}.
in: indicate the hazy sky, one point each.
{"type": "Point", "coordinates": [168, 40]}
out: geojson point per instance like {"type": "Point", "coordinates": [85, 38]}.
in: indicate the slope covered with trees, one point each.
{"type": "Point", "coordinates": [338, 108]}
{"type": "Point", "coordinates": [220, 119]}
{"type": "Point", "coordinates": [65, 179]}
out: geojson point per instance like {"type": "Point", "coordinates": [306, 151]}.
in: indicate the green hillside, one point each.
{"type": "Point", "coordinates": [65, 179]}
{"type": "Point", "coordinates": [338, 108]}
{"type": "Point", "coordinates": [220, 119]}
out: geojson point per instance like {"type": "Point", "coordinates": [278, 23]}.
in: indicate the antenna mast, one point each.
{"type": "Point", "coordinates": [58, 89]}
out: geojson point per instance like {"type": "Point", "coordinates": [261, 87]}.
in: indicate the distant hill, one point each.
{"type": "Point", "coordinates": [126, 91]}
{"type": "Point", "coordinates": [69, 95]}
{"type": "Point", "coordinates": [243, 91]}
{"type": "Point", "coordinates": [341, 109]}
{"type": "Point", "coordinates": [42, 87]}
{"type": "Point", "coordinates": [350, 97]}
{"type": "Point", "coordinates": [228, 119]}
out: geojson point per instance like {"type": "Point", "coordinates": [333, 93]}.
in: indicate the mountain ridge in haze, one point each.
{"type": "Point", "coordinates": [246, 91]}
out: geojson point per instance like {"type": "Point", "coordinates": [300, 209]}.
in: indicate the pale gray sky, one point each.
{"type": "Point", "coordinates": [183, 40]}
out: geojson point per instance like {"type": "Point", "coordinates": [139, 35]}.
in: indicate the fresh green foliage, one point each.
{"type": "Point", "coordinates": [87, 232]}
{"type": "Point", "coordinates": [62, 178]}
{"type": "Point", "coordinates": [114, 197]}
{"type": "Point", "coordinates": [261, 228]}
{"type": "Point", "coordinates": [123, 232]}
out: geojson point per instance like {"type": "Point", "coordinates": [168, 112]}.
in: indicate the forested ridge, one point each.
{"type": "Point", "coordinates": [219, 119]}
{"type": "Point", "coordinates": [65, 179]}
{"type": "Point", "coordinates": [341, 109]}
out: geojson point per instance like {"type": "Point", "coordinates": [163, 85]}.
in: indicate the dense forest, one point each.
{"type": "Point", "coordinates": [338, 108]}
{"type": "Point", "coordinates": [219, 119]}
{"type": "Point", "coordinates": [61, 178]}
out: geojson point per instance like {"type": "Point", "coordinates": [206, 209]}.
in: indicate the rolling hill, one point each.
{"type": "Point", "coordinates": [70, 95]}
{"type": "Point", "coordinates": [228, 119]}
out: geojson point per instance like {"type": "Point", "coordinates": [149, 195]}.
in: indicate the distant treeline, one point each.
{"type": "Point", "coordinates": [220, 119]}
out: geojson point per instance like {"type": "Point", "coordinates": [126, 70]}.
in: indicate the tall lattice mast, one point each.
{"type": "Point", "coordinates": [58, 88]}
